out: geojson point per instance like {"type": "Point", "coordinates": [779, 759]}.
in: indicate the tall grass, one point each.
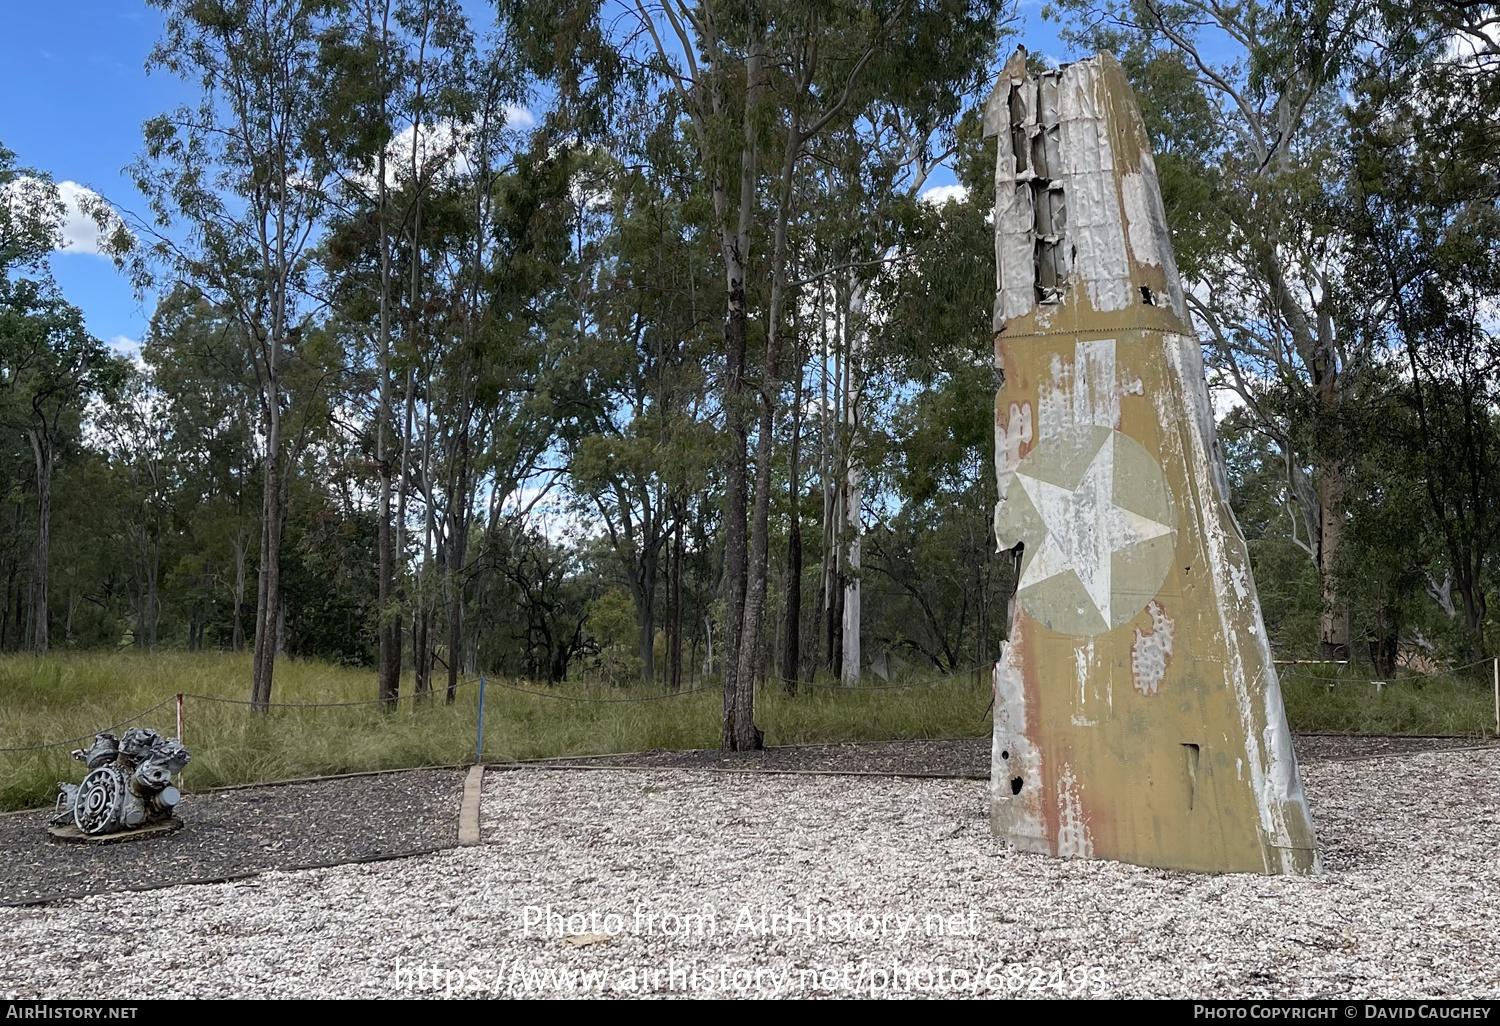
{"type": "Point", "coordinates": [75, 694]}
{"type": "Point", "coordinates": [68, 695]}
{"type": "Point", "coordinates": [1336, 699]}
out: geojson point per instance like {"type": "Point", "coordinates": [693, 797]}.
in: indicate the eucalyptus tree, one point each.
{"type": "Point", "coordinates": [365, 58]}
{"type": "Point", "coordinates": [933, 452]}
{"type": "Point", "coordinates": [237, 186]}
{"type": "Point", "coordinates": [1423, 184]}
{"type": "Point", "coordinates": [631, 417]}
{"type": "Point", "coordinates": [760, 84]}
{"type": "Point", "coordinates": [199, 366]}
{"type": "Point", "coordinates": [137, 435]}
{"type": "Point", "coordinates": [50, 366]}
{"type": "Point", "coordinates": [501, 270]}
{"type": "Point", "coordinates": [1242, 102]}
{"type": "Point", "coordinates": [31, 213]}
{"type": "Point", "coordinates": [872, 174]}
{"type": "Point", "coordinates": [445, 260]}
{"type": "Point", "coordinates": [397, 122]}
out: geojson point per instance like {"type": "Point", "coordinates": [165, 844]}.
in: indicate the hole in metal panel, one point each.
{"type": "Point", "coordinates": [1016, 783]}
{"type": "Point", "coordinates": [1018, 128]}
{"type": "Point", "coordinates": [1192, 752]}
{"type": "Point", "coordinates": [1036, 138]}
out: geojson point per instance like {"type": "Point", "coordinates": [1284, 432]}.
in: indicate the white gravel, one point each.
{"type": "Point", "coordinates": [1409, 904]}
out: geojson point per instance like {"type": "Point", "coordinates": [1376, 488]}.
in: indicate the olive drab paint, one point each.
{"type": "Point", "coordinates": [1137, 711]}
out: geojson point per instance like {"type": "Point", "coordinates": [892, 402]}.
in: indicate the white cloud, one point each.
{"type": "Point", "coordinates": [1225, 401]}
{"type": "Point", "coordinates": [72, 229]}
{"type": "Point", "coordinates": [440, 146]}
{"type": "Point", "coordinates": [941, 194]}
{"type": "Point", "coordinates": [78, 232]}
{"type": "Point", "coordinates": [129, 348]}
{"type": "Point", "coordinates": [444, 146]}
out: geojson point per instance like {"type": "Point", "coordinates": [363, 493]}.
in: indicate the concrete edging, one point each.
{"type": "Point", "coordinates": [468, 809]}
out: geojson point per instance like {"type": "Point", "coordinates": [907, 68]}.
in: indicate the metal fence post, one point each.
{"type": "Point", "coordinates": [179, 734]}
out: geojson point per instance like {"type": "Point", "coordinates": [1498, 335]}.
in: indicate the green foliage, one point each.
{"type": "Point", "coordinates": [328, 576]}
{"type": "Point", "coordinates": [31, 214]}
{"type": "Point", "coordinates": [612, 625]}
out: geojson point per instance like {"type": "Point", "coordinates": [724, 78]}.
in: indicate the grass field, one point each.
{"type": "Point", "coordinates": [1331, 698]}
{"type": "Point", "coordinates": [68, 695]}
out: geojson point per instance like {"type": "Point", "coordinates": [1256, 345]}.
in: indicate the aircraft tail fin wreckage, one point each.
{"type": "Point", "coordinates": [1137, 711]}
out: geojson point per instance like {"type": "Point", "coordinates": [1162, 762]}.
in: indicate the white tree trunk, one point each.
{"type": "Point", "coordinates": [849, 671]}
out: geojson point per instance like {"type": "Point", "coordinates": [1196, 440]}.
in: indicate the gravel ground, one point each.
{"type": "Point", "coordinates": [969, 756]}
{"type": "Point", "coordinates": [226, 833]}
{"type": "Point", "coordinates": [961, 757]}
{"type": "Point", "coordinates": [1406, 907]}
{"type": "Point", "coordinates": [1326, 747]}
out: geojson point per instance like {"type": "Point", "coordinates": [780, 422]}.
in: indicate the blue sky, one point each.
{"type": "Point", "coordinates": [73, 75]}
{"type": "Point", "coordinates": [76, 93]}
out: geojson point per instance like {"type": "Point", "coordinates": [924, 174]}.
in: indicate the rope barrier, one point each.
{"type": "Point", "coordinates": [1469, 666]}
{"type": "Point", "coordinates": [434, 692]}
{"type": "Point", "coordinates": [85, 737]}
{"type": "Point", "coordinates": [430, 693]}
{"type": "Point", "coordinates": [462, 684]}
{"type": "Point", "coordinates": [1413, 676]}
{"type": "Point", "coordinates": [883, 687]}
{"type": "Point", "coordinates": [1314, 676]}
{"type": "Point", "coordinates": [229, 701]}
{"type": "Point", "coordinates": [582, 698]}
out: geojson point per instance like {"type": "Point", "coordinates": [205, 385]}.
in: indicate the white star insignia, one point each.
{"type": "Point", "coordinates": [1084, 528]}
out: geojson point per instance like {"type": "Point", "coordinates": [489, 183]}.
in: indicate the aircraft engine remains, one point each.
{"type": "Point", "coordinates": [128, 785]}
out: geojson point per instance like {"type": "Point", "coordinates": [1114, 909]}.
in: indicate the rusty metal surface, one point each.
{"type": "Point", "coordinates": [1137, 711]}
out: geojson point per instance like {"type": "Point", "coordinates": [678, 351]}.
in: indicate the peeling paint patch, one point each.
{"type": "Point", "coordinates": [1017, 433]}
{"type": "Point", "coordinates": [1054, 399]}
{"type": "Point", "coordinates": [1138, 221]}
{"type": "Point", "coordinates": [1015, 783]}
{"type": "Point", "coordinates": [1096, 397]}
{"type": "Point", "coordinates": [1151, 651]}
{"type": "Point", "coordinates": [1073, 836]}
{"type": "Point", "coordinates": [1237, 578]}
{"type": "Point", "coordinates": [1085, 390]}
{"type": "Point", "coordinates": [1081, 662]}
{"type": "Point", "coordinates": [1083, 657]}
{"type": "Point", "coordinates": [1011, 438]}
